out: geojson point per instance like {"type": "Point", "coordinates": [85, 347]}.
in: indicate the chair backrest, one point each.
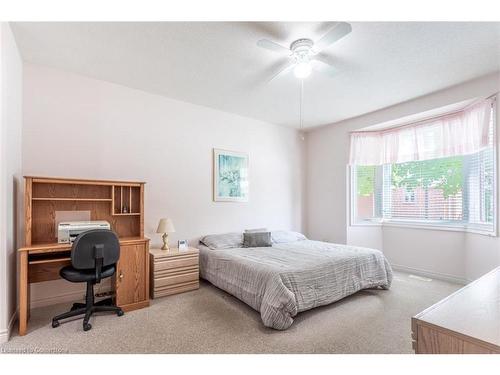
{"type": "Point", "coordinates": [94, 249]}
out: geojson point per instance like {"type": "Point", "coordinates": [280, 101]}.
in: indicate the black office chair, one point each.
{"type": "Point", "coordinates": [93, 257]}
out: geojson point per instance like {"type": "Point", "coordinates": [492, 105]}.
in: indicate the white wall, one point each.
{"type": "Point", "coordinates": [80, 127]}
{"type": "Point", "coordinates": [446, 254]}
{"type": "Point", "coordinates": [10, 174]}
{"type": "Point", "coordinates": [85, 128]}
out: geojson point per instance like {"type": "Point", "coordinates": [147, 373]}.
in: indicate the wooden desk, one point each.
{"type": "Point", "coordinates": [466, 322]}
{"type": "Point", "coordinates": [43, 262]}
{"type": "Point", "coordinates": [121, 203]}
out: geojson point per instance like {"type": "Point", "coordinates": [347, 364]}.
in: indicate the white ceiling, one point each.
{"type": "Point", "coordinates": [217, 64]}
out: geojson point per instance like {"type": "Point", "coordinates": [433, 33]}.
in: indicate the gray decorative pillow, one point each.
{"type": "Point", "coordinates": [223, 241]}
{"type": "Point", "coordinates": [257, 239]}
{"type": "Point", "coordinates": [257, 230]}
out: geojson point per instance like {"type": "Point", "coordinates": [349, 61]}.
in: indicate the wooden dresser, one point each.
{"type": "Point", "coordinates": [121, 203]}
{"type": "Point", "coordinates": [173, 271]}
{"type": "Point", "coordinates": [466, 322]}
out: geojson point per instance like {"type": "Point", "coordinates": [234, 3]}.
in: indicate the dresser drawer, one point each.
{"type": "Point", "coordinates": [176, 262]}
{"type": "Point", "coordinates": [176, 279]}
{"type": "Point", "coordinates": [174, 289]}
{"type": "Point", "coordinates": [173, 271]}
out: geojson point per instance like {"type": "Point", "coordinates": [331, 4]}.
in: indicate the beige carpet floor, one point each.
{"type": "Point", "coordinates": [209, 320]}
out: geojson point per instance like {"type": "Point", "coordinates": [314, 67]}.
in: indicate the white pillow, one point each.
{"type": "Point", "coordinates": [284, 236]}
{"type": "Point", "coordinates": [223, 241]}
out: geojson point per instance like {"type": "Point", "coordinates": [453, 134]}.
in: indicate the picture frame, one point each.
{"type": "Point", "coordinates": [230, 176]}
{"type": "Point", "coordinates": [182, 245]}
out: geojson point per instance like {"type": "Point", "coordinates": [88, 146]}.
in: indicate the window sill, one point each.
{"type": "Point", "coordinates": [413, 225]}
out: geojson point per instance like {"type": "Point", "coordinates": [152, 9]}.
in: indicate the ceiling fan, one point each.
{"type": "Point", "coordinates": [305, 55]}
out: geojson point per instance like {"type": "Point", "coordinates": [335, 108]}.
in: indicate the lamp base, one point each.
{"type": "Point", "coordinates": [165, 242]}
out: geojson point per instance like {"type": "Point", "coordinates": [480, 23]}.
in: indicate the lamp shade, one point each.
{"type": "Point", "coordinates": [165, 226]}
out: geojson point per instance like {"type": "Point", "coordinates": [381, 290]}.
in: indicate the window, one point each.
{"type": "Point", "coordinates": [366, 182]}
{"type": "Point", "coordinates": [409, 196]}
{"type": "Point", "coordinates": [453, 191]}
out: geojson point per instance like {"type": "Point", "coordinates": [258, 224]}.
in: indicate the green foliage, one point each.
{"type": "Point", "coordinates": [445, 174]}
{"type": "Point", "coordinates": [365, 179]}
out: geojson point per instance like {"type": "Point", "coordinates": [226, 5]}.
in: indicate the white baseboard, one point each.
{"type": "Point", "coordinates": [74, 296]}
{"type": "Point", "coordinates": [431, 274]}
{"type": "Point", "coordinates": [52, 300]}
{"type": "Point", "coordinates": [6, 333]}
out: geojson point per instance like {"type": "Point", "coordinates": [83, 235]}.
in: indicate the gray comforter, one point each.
{"type": "Point", "coordinates": [288, 278]}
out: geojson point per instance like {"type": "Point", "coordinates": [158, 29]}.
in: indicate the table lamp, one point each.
{"type": "Point", "coordinates": [165, 226]}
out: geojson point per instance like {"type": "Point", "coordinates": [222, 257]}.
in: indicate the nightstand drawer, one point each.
{"type": "Point", "coordinates": [176, 279]}
{"type": "Point", "coordinates": [173, 271]}
{"type": "Point", "coordinates": [174, 289]}
{"type": "Point", "coordinates": [177, 262]}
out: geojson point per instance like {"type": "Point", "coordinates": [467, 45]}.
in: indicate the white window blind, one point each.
{"type": "Point", "coordinates": [454, 191]}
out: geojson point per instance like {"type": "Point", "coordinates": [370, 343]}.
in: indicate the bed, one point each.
{"type": "Point", "coordinates": [294, 275]}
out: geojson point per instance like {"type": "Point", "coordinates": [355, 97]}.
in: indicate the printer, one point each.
{"type": "Point", "coordinates": [67, 231]}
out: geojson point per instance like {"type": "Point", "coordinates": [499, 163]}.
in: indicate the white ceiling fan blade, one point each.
{"type": "Point", "coordinates": [323, 65]}
{"type": "Point", "coordinates": [324, 58]}
{"type": "Point", "coordinates": [275, 47]}
{"type": "Point", "coordinates": [282, 72]}
{"type": "Point", "coordinates": [337, 32]}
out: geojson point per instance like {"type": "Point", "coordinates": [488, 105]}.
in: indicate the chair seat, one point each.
{"type": "Point", "coordinates": [77, 276]}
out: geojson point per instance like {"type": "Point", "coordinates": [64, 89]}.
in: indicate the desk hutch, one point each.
{"type": "Point", "coordinates": [121, 203]}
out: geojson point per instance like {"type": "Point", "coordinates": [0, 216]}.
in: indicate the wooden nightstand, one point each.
{"type": "Point", "coordinates": [173, 271]}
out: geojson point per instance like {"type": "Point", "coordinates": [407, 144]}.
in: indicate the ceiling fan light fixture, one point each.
{"type": "Point", "coordinates": [302, 70]}
{"type": "Point", "coordinates": [302, 51]}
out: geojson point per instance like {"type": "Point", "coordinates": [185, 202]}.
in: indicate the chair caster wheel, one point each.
{"type": "Point", "coordinates": [55, 324]}
{"type": "Point", "coordinates": [119, 312]}
{"type": "Point", "coordinates": [86, 326]}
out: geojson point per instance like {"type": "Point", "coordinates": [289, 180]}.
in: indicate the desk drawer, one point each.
{"type": "Point", "coordinates": [176, 262]}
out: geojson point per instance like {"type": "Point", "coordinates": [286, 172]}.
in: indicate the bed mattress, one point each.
{"type": "Point", "coordinates": [287, 278]}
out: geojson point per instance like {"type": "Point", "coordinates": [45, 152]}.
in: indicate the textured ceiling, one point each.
{"type": "Point", "coordinates": [217, 64]}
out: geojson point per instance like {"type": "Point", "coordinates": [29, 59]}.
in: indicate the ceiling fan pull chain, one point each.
{"type": "Point", "coordinates": [300, 108]}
